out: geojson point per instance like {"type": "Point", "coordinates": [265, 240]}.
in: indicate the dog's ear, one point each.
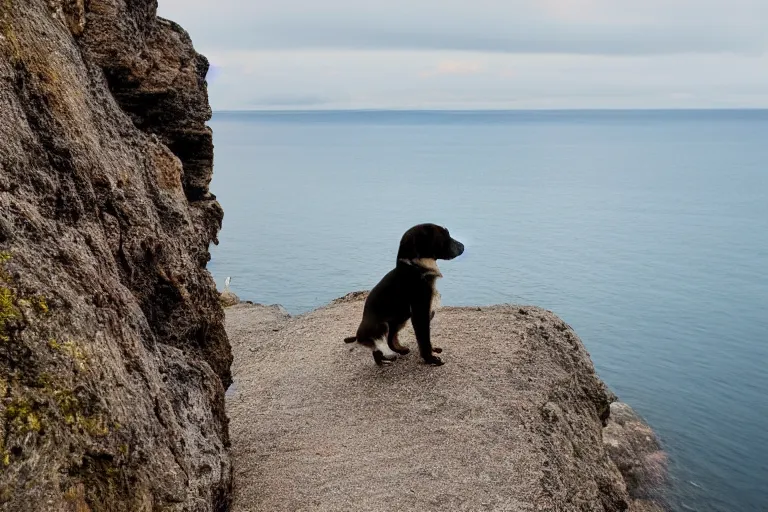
{"type": "Point", "coordinates": [409, 248]}
{"type": "Point", "coordinates": [418, 242]}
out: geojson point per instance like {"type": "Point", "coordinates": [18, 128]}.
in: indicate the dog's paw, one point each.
{"type": "Point", "coordinates": [402, 351]}
{"type": "Point", "coordinates": [381, 359]}
{"type": "Point", "coordinates": [434, 361]}
{"type": "Point", "coordinates": [436, 350]}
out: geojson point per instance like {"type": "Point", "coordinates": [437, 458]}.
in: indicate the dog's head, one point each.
{"type": "Point", "coordinates": [428, 241]}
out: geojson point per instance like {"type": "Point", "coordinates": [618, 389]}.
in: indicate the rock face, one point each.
{"type": "Point", "coordinates": [113, 355]}
{"type": "Point", "coordinates": [512, 422]}
{"type": "Point", "coordinates": [634, 448]}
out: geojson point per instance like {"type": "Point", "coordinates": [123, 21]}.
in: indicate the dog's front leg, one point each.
{"type": "Point", "coordinates": [435, 349]}
{"type": "Point", "coordinates": [420, 318]}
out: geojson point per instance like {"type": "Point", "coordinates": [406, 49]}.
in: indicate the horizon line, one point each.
{"type": "Point", "coordinates": [449, 110]}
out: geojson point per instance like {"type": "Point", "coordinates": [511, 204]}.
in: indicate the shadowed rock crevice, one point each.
{"type": "Point", "coordinates": [113, 354]}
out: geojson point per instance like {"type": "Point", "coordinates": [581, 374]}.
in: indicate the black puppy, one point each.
{"type": "Point", "coordinates": [407, 291]}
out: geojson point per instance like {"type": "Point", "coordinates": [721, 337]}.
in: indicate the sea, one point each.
{"type": "Point", "coordinates": [646, 231]}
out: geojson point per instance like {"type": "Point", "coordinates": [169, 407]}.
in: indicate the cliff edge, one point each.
{"type": "Point", "coordinates": [516, 419]}
{"type": "Point", "coordinates": [113, 354]}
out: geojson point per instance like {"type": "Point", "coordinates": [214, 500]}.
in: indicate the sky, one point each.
{"type": "Point", "coordinates": [479, 54]}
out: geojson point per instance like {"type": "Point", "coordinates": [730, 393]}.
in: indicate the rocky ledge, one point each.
{"type": "Point", "coordinates": [515, 420]}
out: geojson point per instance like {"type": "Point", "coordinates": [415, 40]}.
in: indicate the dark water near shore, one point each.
{"type": "Point", "coordinates": [645, 231]}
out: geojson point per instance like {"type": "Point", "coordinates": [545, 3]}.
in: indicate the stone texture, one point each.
{"type": "Point", "coordinates": [513, 421]}
{"type": "Point", "coordinates": [114, 359]}
{"type": "Point", "coordinates": [634, 448]}
{"type": "Point", "coordinates": [228, 298]}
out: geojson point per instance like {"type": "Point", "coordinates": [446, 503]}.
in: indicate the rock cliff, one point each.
{"type": "Point", "coordinates": [113, 354]}
{"type": "Point", "coordinates": [515, 420]}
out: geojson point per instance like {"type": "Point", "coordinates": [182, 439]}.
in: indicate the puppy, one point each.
{"type": "Point", "coordinates": [407, 292]}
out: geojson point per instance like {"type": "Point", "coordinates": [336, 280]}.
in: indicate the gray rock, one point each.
{"type": "Point", "coordinates": [228, 299]}
{"type": "Point", "coordinates": [512, 421]}
{"type": "Point", "coordinates": [115, 357]}
{"type": "Point", "coordinates": [636, 451]}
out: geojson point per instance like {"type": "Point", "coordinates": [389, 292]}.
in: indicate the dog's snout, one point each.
{"type": "Point", "coordinates": [457, 248]}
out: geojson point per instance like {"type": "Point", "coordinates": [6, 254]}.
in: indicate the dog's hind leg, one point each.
{"type": "Point", "coordinates": [382, 354]}
{"type": "Point", "coordinates": [394, 342]}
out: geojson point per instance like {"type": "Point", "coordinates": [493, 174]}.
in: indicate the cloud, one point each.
{"type": "Point", "coordinates": [594, 27]}
{"type": "Point", "coordinates": [455, 67]}
{"type": "Point", "coordinates": [291, 100]}
{"type": "Point", "coordinates": [480, 54]}
{"type": "Point", "coordinates": [395, 79]}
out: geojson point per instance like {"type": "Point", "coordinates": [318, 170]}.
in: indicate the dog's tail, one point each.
{"type": "Point", "coordinates": [351, 339]}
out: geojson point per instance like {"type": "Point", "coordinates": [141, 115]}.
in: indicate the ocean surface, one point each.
{"type": "Point", "coordinates": [646, 231]}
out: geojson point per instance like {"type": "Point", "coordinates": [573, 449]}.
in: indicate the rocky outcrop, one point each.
{"type": "Point", "coordinates": [113, 355]}
{"type": "Point", "coordinates": [636, 451]}
{"type": "Point", "coordinates": [515, 419]}
{"type": "Point", "coordinates": [228, 298]}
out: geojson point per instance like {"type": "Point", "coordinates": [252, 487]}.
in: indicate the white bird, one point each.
{"type": "Point", "coordinates": [226, 283]}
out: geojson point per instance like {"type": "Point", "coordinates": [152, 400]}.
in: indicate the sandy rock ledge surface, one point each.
{"type": "Point", "coordinates": [513, 421]}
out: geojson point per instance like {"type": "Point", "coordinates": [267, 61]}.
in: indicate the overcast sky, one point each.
{"type": "Point", "coordinates": [310, 54]}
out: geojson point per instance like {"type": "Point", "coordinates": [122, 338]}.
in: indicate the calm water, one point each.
{"type": "Point", "coordinates": [646, 231]}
